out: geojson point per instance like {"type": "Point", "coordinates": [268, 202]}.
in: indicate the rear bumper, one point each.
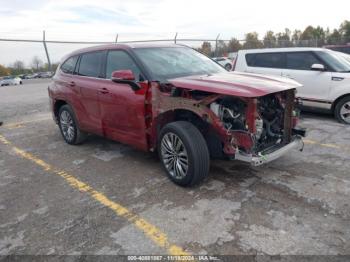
{"type": "Point", "coordinates": [261, 159]}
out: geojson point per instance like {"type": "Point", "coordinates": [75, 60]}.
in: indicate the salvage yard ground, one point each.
{"type": "Point", "coordinates": [103, 197]}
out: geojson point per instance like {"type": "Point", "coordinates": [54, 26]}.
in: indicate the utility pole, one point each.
{"type": "Point", "coordinates": [47, 53]}
{"type": "Point", "coordinates": [216, 45]}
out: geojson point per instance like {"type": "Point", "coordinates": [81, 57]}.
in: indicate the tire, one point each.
{"type": "Point", "coordinates": [228, 67]}
{"type": "Point", "coordinates": [69, 126]}
{"type": "Point", "coordinates": [192, 146]}
{"type": "Point", "coordinates": [342, 110]}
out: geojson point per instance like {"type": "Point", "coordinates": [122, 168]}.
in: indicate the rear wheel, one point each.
{"type": "Point", "coordinates": [184, 153]}
{"type": "Point", "coordinates": [68, 126]}
{"type": "Point", "coordinates": [342, 110]}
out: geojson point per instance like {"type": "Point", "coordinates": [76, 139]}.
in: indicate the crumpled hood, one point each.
{"type": "Point", "coordinates": [236, 84]}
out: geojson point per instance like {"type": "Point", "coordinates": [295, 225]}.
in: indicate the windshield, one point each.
{"type": "Point", "coordinates": [171, 62]}
{"type": "Point", "coordinates": [336, 61]}
{"type": "Point", "coordinates": [346, 56]}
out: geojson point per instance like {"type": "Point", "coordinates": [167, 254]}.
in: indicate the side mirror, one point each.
{"type": "Point", "coordinates": [125, 77]}
{"type": "Point", "coordinates": [318, 67]}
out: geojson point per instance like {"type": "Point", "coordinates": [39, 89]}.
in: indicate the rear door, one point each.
{"type": "Point", "coordinates": [265, 63]}
{"type": "Point", "coordinates": [316, 84]}
{"type": "Point", "coordinates": [88, 80]}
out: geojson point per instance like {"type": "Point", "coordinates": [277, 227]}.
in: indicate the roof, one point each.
{"type": "Point", "coordinates": [286, 49]}
{"type": "Point", "coordinates": [121, 46]}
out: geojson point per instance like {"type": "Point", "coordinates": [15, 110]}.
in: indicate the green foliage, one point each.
{"type": "Point", "coordinates": [345, 30]}
{"type": "Point", "coordinates": [252, 41]}
{"type": "Point", "coordinates": [270, 39]}
{"type": "Point", "coordinates": [206, 48]}
{"type": "Point", "coordinates": [233, 45]}
{"type": "Point", "coordinates": [310, 36]}
{"type": "Point", "coordinates": [4, 71]}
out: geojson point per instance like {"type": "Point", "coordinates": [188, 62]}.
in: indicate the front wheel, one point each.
{"type": "Point", "coordinates": [342, 110]}
{"type": "Point", "coordinates": [184, 153]}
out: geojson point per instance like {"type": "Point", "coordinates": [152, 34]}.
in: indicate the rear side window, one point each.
{"type": "Point", "coordinates": [69, 65]}
{"type": "Point", "coordinates": [271, 60]}
{"type": "Point", "coordinates": [90, 64]}
{"type": "Point", "coordinates": [120, 60]}
{"type": "Point", "coordinates": [301, 60]}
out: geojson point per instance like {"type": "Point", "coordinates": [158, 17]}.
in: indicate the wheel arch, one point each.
{"type": "Point", "coordinates": [337, 100]}
{"type": "Point", "coordinates": [210, 135]}
{"type": "Point", "coordinates": [57, 105]}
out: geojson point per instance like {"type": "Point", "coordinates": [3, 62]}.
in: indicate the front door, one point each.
{"type": "Point", "coordinates": [123, 109]}
{"type": "Point", "coordinates": [316, 84]}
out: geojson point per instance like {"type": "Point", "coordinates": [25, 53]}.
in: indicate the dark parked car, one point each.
{"type": "Point", "coordinates": [340, 48]}
{"type": "Point", "coordinates": [176, 101]}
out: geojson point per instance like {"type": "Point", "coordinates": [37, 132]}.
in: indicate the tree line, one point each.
{"type": "Point", "coordinates": [309, 37]}
{"type": "Point", "coordinates": [19, 68]}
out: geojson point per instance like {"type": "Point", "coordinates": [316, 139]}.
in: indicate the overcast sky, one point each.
{"type": "Point", "coordinates": [93, 20]}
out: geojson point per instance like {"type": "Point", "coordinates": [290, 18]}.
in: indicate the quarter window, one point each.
{"type": "Point", "coordinates": [301, 60]}
{"type": "Point", "coordinates": [90, 64]}
{"type": "Point", "coordinates": [69, 65]}
{"type": "Point", "coordinates": [120, 60]}
{"type": "Point", "coordinates": [270, 60]}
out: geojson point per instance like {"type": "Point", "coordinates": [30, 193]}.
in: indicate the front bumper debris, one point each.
{"type": "Point", "coordinates": [261, 159]}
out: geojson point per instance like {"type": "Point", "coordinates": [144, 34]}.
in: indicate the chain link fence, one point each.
{"type": "Point", "coordinates": [44, 54]}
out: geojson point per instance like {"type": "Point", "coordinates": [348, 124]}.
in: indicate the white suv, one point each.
{"type": "Point", "coordinates": [324, 74]}
{"type": "Point", "coordinates": [224, 61]}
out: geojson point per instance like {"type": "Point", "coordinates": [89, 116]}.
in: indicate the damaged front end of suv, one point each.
{"type": "Point", "coordinates": [239, 122]}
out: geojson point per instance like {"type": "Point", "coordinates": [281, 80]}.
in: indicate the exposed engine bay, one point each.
{"type": "Point", "coordinates": [269, 119]}
{"type": "Point", "coordinates": [237, 127]}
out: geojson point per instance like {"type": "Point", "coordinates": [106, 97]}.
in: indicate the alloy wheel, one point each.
{"type": "Point", "coordinates": [67, 125]}
{"type": "Point", "coordinates": [174, 155]}
{"type": "Point", "coordinates": [345, 112]}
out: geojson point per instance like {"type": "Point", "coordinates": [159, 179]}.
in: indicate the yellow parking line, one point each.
{"type": "Point", "coordinates": [313, 142]}
{"type": "Point", "coordinates": [22, 123]}
{"type": "Point", "coordinates": [151, 231]}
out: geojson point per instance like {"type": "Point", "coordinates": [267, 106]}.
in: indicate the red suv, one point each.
{"type": "Point", "coordinates": [176, 101]}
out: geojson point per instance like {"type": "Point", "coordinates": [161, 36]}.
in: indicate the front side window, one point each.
{"type": "Point", "coordinates": [171, 62]}
{"type": "Point", "coordinates": [301, 60]}
{"type": "Point", "coordinates": [337, 61]}
{"type": "Point", "coordinates": [69, 65]}
{"type": "Point", "coordinates": [90, 64]}
{"type": "Point", "coordinates": [270, 60]}
{"type": "Point", "coordinates": [120, 60]}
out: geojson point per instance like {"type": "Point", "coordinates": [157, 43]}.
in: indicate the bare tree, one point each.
{"type": "Point", "coordinates": [18, 65]}
{"type": "Point", "coordinates": [36, 63]}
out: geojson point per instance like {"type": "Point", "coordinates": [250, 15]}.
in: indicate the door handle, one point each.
{"type": "Point", "coordinates": [336, 78]}
{"type": "Point", "coordinates": [103, 90]}
{"type": "Point", "coordinates": [71, 83]}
